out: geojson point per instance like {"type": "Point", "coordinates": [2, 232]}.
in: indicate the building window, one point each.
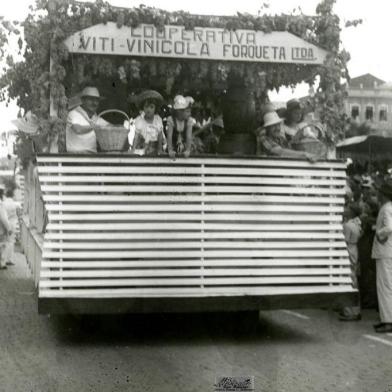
{"type": "Point", "coordinates": [369, 113]}
{"type": "Point", "coordinates": [383, 115]}
{"type": "Point", "coordinates": [354, 112]}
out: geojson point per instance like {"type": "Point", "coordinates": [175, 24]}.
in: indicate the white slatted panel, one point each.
{"type": "Point", "coordinates": [146, 227]}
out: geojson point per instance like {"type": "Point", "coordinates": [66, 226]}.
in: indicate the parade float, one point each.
{"type": "Point", "coordinates": [114, 232]}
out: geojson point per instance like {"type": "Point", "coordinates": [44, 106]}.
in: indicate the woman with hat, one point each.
{"type": "Point", "coordinates": [293, 118]}
{"type": "Point", "coordinates": [271, 141]}
{"type": "Point", "coordinates": [382, 253]}
{"type": "Point", "coordinates": [81, 121]}
{"type": "Point", "coordinates": [148, 125]}
{"type": "Point", "coordinates": [179, 128]}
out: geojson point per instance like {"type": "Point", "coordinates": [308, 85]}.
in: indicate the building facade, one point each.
{"type": "Point", "coordinates": [370, 101]}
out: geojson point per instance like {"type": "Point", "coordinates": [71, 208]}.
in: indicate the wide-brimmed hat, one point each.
{"type": "Point", "coordinates": [293, 104]}
{"type": "Point", "coordinates": [149, 94]}
{"type": "Point", "coordinates": [190, 100]}
{"type": "Point", "coordinates": [91, 92]}
{"type": "Point", "coordinates": [180, 102]}
{"type": "Point", "coordinates": [271, 118]}
{"type": "Point", "coordinates": [386, 188]}
{"type": "Point", "coordinates": [28, 124]}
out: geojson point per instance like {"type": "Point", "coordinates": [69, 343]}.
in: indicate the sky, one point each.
{"type": "Point", "coordinates": [368, 43]}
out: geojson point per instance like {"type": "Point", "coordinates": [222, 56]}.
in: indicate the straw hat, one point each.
{"type": "Point", "coordinates": [149, 94]}
{"type": "Point", "coordinates": [27, 124]}
{"type": "Point", "coordinates": [271, 118]}
{"type": "Point", "coordinates": [180, 103]}
{"type": "Point", "coordinates": [190, 101]}
{"type": "Point", "coordinates": [90, 92]}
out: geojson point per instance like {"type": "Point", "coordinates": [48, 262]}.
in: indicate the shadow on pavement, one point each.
{"type": "Point", "coordinates": [192, 328]}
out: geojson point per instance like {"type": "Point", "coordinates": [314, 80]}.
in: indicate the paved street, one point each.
{"type": "Point", "coordinates": [303, 350]}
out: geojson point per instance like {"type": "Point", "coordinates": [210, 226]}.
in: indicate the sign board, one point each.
{"type": "Point", "coordinates": [201, 43]}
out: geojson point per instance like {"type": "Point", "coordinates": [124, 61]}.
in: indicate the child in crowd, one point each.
{"type": "Point", "coordinates": [5, 230]}
{"type": "Point", "coordinates": [149, 135]}
{"type": "Point", "coordinates": [352, 229]}
{"type": "Point", "coordinates": [179, 128]}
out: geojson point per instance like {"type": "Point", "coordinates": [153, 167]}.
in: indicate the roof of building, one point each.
{"type": "Point", "coordinates": [366, 81]}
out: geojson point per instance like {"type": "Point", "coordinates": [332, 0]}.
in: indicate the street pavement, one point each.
{"type": "Point", "coordinates": [300, 350]}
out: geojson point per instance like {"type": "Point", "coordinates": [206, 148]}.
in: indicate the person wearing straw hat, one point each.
{"type": "Point", "coordinates": [81, 121]}
{"type": "Point", "coordinates": [179, 128]}
{"type": "Point", "coordinates": [272, 142]}
{"type": "Point", "coordinates": [149, 135]}
{"type": "Point", "coordinates": [382, 253]}
{"type": "Point", "coordinates": [5, 229]}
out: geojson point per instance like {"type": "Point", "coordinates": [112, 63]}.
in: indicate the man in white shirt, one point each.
{"type": "Point", "coordinates": [382, 253]}
{"type": "Point", "coordinates": [80, 134]}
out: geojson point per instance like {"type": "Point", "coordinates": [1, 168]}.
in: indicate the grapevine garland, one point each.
{"type": "Point", "coordinates": [50, 22]}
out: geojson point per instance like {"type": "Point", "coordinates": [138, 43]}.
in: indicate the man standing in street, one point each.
{"type": "Point", "coordinates": [382, 253]}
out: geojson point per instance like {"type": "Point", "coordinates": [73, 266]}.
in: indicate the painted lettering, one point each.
{"type": "Point", "coordinates": [198, 35]}
{"type": "Point", "coordinates": [83, 43]}
{"type": "Point", "coordinates": [148, 31]}
{"type": "Point", "coordinates": [103, 42]}
{"type": "Point", "coordinates": [184, 35]}
{"type": "Point", "coordinates": [225, 49]}
{"type": "Point", "coordinates": [251, 38]}
{"type": "Point", "coordinates": [282, 53]}
{"type": "Point", "coordinates": [166, 47]}
{"type": "Point", "coordinates": [133, 32]}
{"type": "Point", "coordinates": [210, 36]}
{"type": "Point", "coordinates": [179, 47]}
{"type": "Point", "coordinates": [149, 44]}
{"type": "Point", "coordinates": [239, 37]}
{"type": "Point", "coordinates": [130, 44]}
{"type": "Point", "coordinates": [172, 31]}
{"type": "Point", "coordinates": [205, 49]}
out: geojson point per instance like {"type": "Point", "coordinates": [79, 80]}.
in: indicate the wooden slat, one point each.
{"type": "Point", "coordinates": [119, 198]}
{"type": "Point", "coordinates": [108, 273]}
{"type": "Point", "coordinates": [191, 208]}
{"type": "Point", "coordinates": [207, 217]}
{"type": "Point", "coordinates": [191, 254]}
{"type": "Point", "coordinates": [192, 235]}
{"type": "Point", "coordinates": [276, 262]}
{"type": "Point", "coordinates": [191, 226]}
{"type": "Point", "coordinates": [195, 244]}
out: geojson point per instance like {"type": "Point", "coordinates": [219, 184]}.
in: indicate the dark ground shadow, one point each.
{"type": "Point", "coordinates": [189, 328]}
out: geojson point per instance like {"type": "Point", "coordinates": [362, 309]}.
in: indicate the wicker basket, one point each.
{"type": "Point", "coordinates": [112, 137]}
{"type": "Point", "coordinates": [311, 146]}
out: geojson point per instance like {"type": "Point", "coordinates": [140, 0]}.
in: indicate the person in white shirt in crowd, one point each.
{"type": "Point", "coordinates": [11, 207]}
{"type": "Point", "coordinates": [81, 121]}
{"type": "Point", "coordinates": [5, 229]}
{"type": "Point", "coordinates": [382, 253]}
